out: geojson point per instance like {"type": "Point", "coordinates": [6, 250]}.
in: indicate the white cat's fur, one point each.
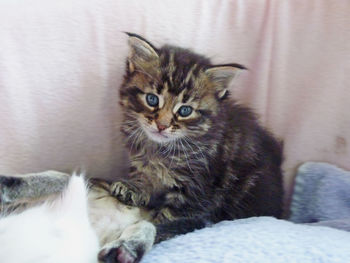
{"type": "Point", "coordinates": [54, 232]}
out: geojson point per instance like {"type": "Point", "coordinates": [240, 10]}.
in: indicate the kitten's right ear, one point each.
{"type": "Point", "coordinates": [222, 75]}
{"type": "Point", "coordinates": [142, 54]}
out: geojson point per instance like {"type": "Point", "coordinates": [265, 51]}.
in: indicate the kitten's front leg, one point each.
{"type": "Point", "coordinates": [132, 193]}
{"type": "Point", "coordinates": [164, 215]}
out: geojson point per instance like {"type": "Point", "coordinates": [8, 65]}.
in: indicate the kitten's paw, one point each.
{"type": "Point", "coordinates": [9, 189]}
{"type": "Point", "coordinates": [128, 194]}
{"type": "Point", "coordinates": [163, 216]}
{"type": "Point", "coordinates": [120, 252]}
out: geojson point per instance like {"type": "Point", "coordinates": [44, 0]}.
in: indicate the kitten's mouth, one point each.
{"type": "Point", "coordinates": [157, 136]}
{"type": "Point", "coordinates": [160, 134]}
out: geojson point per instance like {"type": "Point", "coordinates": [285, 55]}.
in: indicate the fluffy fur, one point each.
{"type": "Point", "coordinates": [194, 152]}
{"type": "Point", "coordinates": [57, 231]}
{"type": "Point", "coordinates": [124, 234]}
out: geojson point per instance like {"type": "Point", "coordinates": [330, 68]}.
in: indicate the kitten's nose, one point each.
{"type": "Point", "coordinates": [161, 127]}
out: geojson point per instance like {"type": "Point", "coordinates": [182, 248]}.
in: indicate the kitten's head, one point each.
{"type": "Point", "coordinates": [170, 93]}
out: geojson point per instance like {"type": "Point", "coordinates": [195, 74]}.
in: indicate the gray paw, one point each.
{"type": "Point", "coordinates": [121, 253]}
{"type": "Point", "coordinates": [128, 194]}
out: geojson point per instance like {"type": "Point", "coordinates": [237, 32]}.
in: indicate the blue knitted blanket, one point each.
{"type": "Point", "coordinates": [321, 197]}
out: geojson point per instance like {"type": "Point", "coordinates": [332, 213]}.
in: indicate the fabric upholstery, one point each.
{"type": "Point", "coordinates": [61, 63]}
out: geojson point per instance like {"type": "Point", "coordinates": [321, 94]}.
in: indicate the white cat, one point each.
{"type": "Point", "coordinates": [60, 232]}
{"type": "Point", "coordinates": [53, 232]}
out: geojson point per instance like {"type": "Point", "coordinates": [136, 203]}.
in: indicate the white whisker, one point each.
{"type": "Point", "coordinates": [173, 148]}
{"type": "Point", "coordinates": [188, 141]}
{"type": "Point", "coordinates": [186, 156]}
{"type": "Point", "coordinates": [136, 134]}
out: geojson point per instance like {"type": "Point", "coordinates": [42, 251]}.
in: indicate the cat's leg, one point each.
{"type": "Point", "coordinates": [133, 243]}
{"type": "Point", "coordinates": [163, 215]}
{"type": "Point", "coordinates": [29, 187]}
{"type": "Point", "coordinates": [180, 226]}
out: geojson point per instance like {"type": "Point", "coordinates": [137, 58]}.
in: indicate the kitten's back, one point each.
{"type": "Point", "coordinates": [52, 232]}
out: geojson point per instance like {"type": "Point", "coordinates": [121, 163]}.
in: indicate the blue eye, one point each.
{"type": "Point", "coordinates": [152, 100]}
{"type": "Point", "coordinates": [185, 111]}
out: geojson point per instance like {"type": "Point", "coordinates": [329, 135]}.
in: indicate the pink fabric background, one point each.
{"type": "Point", "coordinates": [61, 63]}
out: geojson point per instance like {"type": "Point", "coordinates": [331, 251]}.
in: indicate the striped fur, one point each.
{"type": "Point", "coordinates": [218, 162]}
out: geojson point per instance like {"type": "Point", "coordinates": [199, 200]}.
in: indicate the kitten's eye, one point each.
{"type": "Point", "coordinates": [185, 111]}
{"type": "Point", "coordinates": [152, 100]}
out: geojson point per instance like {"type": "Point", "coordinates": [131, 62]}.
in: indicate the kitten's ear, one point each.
{"type": "Point", "coordinates": [142, 53]}
{"type": "Point", "coordinates": [222, 75]}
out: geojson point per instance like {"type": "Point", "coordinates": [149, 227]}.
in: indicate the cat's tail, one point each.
{"type": "Point", "coordinates": [179, 227]}
{"type": "Point", "coordinates": [60, 227]}
{"type": "Point", "coordinates": [73, 200]}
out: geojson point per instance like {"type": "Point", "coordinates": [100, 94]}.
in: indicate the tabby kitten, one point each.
{"type": "Point", "coordinates": [194, 152]}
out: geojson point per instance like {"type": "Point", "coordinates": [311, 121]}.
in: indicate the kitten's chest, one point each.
{"type": "Point", "coordinates": [156, 169]}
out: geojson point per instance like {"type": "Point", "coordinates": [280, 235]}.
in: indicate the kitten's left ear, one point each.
{"type": "Point", "coordinates": [222, 75]}
{"type": "Point", "coordinates": [142, 53]}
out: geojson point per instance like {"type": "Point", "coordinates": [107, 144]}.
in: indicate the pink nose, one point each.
{"type": "Point", "coordinates": [161, 127]}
